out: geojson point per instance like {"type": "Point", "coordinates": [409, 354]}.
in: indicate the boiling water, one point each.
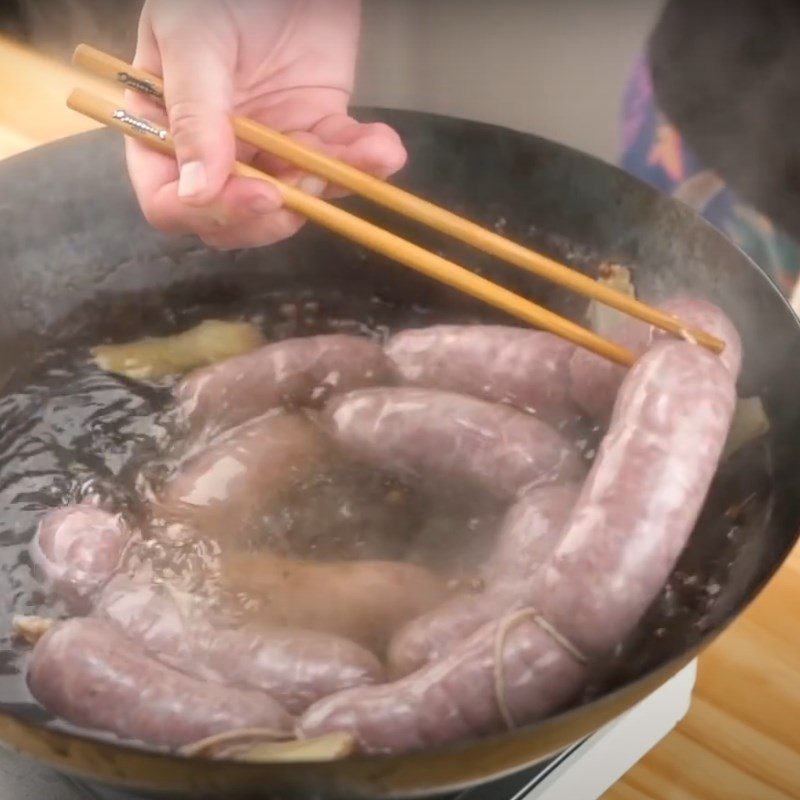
{"type": "Point", "coordinates": [69, 432]}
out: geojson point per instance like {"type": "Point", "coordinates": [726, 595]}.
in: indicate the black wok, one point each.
{"type": "Point", "coordinates": [71, 238]}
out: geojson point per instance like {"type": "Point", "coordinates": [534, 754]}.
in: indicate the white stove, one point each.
{"type": "Point", "coordinates": [582, 772]}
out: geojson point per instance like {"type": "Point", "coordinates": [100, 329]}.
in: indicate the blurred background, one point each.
{"type": "Point", "coordinates": [545, 66]}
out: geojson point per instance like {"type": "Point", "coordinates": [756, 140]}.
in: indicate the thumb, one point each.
{"type": "Point", "coordinates": [198, 92]}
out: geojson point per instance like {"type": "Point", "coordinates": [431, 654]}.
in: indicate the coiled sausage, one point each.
{"type": "Point", "coordinates": [302, 372]}
{"type": "Point", "coordinates": [642, 496]}
{"type": "Point", "coordinates": [507, 673]}
{"type": "Point", "coordinates": [86, 672]}
{"type": "Point", "coordinates": [631, 521]}
{"type": "Point", "coordinates": [365, 601]}
{"type": "Point", "coordinates": [233, 479]}
{"type": "Point", "coordinates": [595, 381]}
{"type": "Point", "coordinates": [453, 438]}
{"type": "Point", "coordinates": [295, 666]}
{"type": "Point", "coordinates": [78, 548]}
{"type": "Point", "coordinates": [530, 531]}
{"type": "Point", "coordinates": [527, 369]}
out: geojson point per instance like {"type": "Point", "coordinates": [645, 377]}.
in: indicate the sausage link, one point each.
{"type": "Point", "coordinates": [302, 372]}
{"type": "Point", "coordinates": [86, 672]}
{"type": "Point", "coordinates": [509, 672]}
{"type": "Point", "coordinates": [78, 548]}
{"type": "Point", "coordinates": [530, 531]}
{"type": "Point", "coordinates": [642, 497]}
{"type": "Point", "coordinates": [596, 380]}
{"type": "Point", "coordinates": [240, 473]}
{"type": "Point", "coordinates": [297, 667]}
{"type": "Point", "coordinates": [524, 368]}
{"type": "Point", "coordinates": [631, 521]}
{"type": "Point", "coordinates": [365, 601]}
{"type": "Point", "coordinates": [453, 438]}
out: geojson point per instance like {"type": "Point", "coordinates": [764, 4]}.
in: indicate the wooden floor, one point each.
{"type": "Point", "coordinates": [741, 739]}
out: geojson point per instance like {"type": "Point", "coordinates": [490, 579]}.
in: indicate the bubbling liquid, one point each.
{"type": "Point", "coordinates": [70, 432]}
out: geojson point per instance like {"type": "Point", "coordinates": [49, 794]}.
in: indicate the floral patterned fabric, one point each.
{"type": "Point", "coordinates": [653, 150]}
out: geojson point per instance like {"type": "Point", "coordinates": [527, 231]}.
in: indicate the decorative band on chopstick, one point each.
{"type": "Point", "coordinates": [140, 124]}
{"type": "Point", "coordinates": [140, 85]}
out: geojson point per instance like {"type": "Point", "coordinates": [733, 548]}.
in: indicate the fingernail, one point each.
{"type": "Point", "coordinates": [264, 204]}
{"type": "Point", "coordinates": [311, 184]}
{"type": "Point", "coordinates": [192, 180]}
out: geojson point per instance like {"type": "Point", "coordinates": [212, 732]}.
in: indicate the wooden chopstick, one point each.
{"type": "Point", "coordinates": [366, 234]}
{"type": "Point", "coordinates": [410, 205]}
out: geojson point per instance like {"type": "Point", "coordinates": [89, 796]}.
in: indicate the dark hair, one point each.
{"type": "Point", "coordinates": [727, 75]}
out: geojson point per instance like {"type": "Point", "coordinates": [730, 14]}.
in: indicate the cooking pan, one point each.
{"type": "Point", "coordinates": [76, 251]}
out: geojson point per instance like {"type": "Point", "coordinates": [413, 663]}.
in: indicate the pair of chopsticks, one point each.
{"type": "Point", "coordinates": [376, 238]}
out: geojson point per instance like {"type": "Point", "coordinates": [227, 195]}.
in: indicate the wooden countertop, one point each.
{"type": "Point", "coordinates": [741, 738]}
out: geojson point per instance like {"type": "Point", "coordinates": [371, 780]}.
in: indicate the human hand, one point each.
{"type": "Point", "coordinates": [288, 64]}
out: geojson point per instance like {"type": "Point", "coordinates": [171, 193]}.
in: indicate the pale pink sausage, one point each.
{"type": "Point", "coordinates": [296, 372]}
{"type": "Point", "coordinates": [530, 531]}
{"type": "Point", "coordinates": [366, 601]}
{"type": "Point", "coordinates": [507, 673]}
{"type": "Point", "coordinates": [86, 672]}
{"type": "Point", "coordinates": [78, 549]}
{"type": "Point", "coordinates": [462, 441]}
{"type": "Point", "coordinates": [295, 666]}
{"type": "Point", "coordinates": [525, 368]}
{"type": "Point", "coordinates": [596, 381]}
{"type": "Point", "coordinates": [642, 497]}
{"type": "Point", "coordinates": [631, 521]}
{"type": "Point", "coordinates": [225, 484]}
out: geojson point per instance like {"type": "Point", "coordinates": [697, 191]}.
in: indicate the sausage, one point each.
{"type": "Point", "coordinates": [365, 601]}
{"type": "Point", "coordinates": [641, 498]}
{"type": "Point", "coordinates": [86, 672]}
{"type": "Point", "coordinates": [240, 473]}
{"type": "Point", "coordinates": [509, 672]}
{"type": "Point", "coordinates": [530, 530]}
{"type": "Point", "coordinates": [527, 369]}
{"type": "Point", "coordinates": [294, 666]}
{"type": "Point", "coordinates": [436, 435]}
{"type": "Point", "coordinates": [632, 519]}
{"type": "Point", "coordinates": [78, 548]}
{"type": "Point", "coordinates": [300, 372]}
{"type": "Point", "coordinates": [595, 380]}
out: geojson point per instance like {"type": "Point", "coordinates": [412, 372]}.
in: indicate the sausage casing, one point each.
{"type": "Point", "coordinates": [530, 531]}
{"type": "Point", "coordinates": [295, 666]}
{"type": "Point", "coordinates": [86, 672]}
{"type": "Point", "coordinates": [361, 600]}
{"type": "Point", "coordinates": [303, 371]}
{"type": "Point", "coordinates": [595, 380]}
{"type": "Point", "coordinates": [238, 475]}
{"type": "Point", "coordinates": [525, 368]}
{"type": "Point", "coordinates": [457, 439]}
{"type": "Point", "coordinates": [78, 549]}
{"type": "Point", "coordinates": [507, 673]}
{"type": "Point", "coordinates": [642, 497]}
{"type": "Point", "coordinates": [630, 523]}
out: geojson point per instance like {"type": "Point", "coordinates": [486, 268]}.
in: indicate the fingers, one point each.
{"type": "Point", "coordinates": [374, 148]}
{"type": "Point", "coordinates": [246, 213]}
{"type": "Point", "coordinates": [196, 46]}
{"type": "Point", "coordinates": [198, 62]}
{"type": "Point", "coordinates": [371, 147]}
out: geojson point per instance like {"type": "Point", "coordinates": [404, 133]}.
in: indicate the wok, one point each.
{"type": "Point", "coordinates": [74, 246]}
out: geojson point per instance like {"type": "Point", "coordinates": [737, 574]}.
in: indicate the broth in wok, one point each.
{"type": "Point", "coordinates": [364, 557]}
